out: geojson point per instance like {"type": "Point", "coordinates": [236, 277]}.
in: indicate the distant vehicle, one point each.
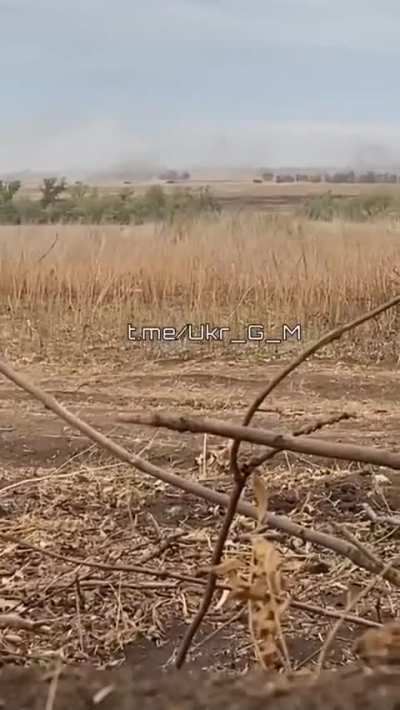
{"type": "Point", "coordinates": [174, 175]}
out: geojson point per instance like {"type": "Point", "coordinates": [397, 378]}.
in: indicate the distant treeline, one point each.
{"type": "Point", "coordinates": [82, 204]}
{"type": "Point", "coordinates": [350, 176]}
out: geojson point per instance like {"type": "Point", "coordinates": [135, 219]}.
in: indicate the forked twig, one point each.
{"type": "Point", "coordinates": [330, 337]}
{"type": "Point", "coordinates": [306, 430]}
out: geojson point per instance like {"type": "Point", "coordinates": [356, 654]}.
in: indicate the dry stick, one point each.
{"type": "Point", "coordinates": [212, 577]}
{"type": "Point", "coordinates": [331, 637]}
{"type": "Point", "coordinates": [50, 248]}
{"type": "Point", "coordinates": [393, 520]}
{"type": "Point", "coordinates": [169, 542]}
{"type": "Point", "coordinates": [314, 609]}
{"type": "Point", "coordinates": [313, 348]}
{"type": "Point", "coordinates": [235, 617]}
{"type": "Point", "coordinates": [240, 478]}
{"type": "Point", "coordinates": [94, 583]}
{"type": "Point", "coordinates": [14, 621]}
{"type": "Point", "coordinates": [101, 565]}
{"type": "Point", "coordinates": [348, 535]}
{"type": "Point", "coordinates": [264, 437]}
{"type": "Point", "coordinates": [259, 460]}
{"type": "Point", "coordinates": [239, 485]}
{"type": "Point", "coordinates": [51, 696]}
{"type": "Point", "coordinates": [278, 522]}
{"type": "Point", "coordinates": [305, 606]}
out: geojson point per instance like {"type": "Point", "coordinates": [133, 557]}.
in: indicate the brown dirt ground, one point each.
{"type": "Point", "coordinates": [125, 689]}
{"type": "Point", "coordinates": [63, 495]}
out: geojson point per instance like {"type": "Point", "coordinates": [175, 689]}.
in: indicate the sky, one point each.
{"type": "Point", "coordinates": [89, 84]}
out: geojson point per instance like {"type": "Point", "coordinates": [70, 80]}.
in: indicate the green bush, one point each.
{"type": "Point", "coordinates": [85, 205]}
{"type": "Point", "coordinates": [322, 207]}
{"type": "Point", "coordinates": [357, 209]}
{"type": "Point", "coordinates": [9, 214]}
{"type": "Point", "coordinates": [8, 190]}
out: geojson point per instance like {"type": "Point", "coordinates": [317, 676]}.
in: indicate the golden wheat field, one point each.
{"type": "Point", "coordinates": [112, 562]}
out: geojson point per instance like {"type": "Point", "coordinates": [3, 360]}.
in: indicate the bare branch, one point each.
{"type": "Point", "coordinates": [259, 460]}
{"type": "Point", "coordinates": [301, 444]}
{"type": "Point", "coordinates": [393, 520]}
{"type": "Point", "coordinates": [330, 337]}
{"type": "Point", "coordinates": [212, 577]}
{"type": "Point", "coordinates": [13, 621]}
{"type": "Point", "coordinates": [323, 611]}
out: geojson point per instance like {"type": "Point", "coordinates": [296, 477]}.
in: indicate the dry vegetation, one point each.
{"type": "Point", "coordinates": [107, 562]}
{"type": "Point", "coordinates": [227, 271]}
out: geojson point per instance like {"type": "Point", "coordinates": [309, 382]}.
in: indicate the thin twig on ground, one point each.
{"type": "Point", "coordinates": [324, 611]}
{"type": "Point", "coordinates": [349, 606]}
{"type": "Point", "coordinates": [347, 535]}
{"type": "Point", "coordinates": [163, 574]}
{"type": "Point", "coordinates": [51, 696]}
{"type": "Point", "coordinates": [393, 520]}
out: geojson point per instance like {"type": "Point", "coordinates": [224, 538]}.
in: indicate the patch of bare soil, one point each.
{"type": "Point", "coordinates": [64, 497]}
{"type": "Point", "coordinates": [122, 689]}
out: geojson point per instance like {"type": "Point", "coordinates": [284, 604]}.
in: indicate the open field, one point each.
{"type": "Point", "coordinates": [66, 296]}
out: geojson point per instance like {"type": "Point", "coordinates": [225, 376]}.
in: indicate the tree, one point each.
{"type": "Point", "coordinates": [51, 189]}
{"type": "Point", "coordinates": [79, 190]}
{"type": "Point", "coordinates": [8, 190]}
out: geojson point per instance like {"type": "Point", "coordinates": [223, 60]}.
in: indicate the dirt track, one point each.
{"type": "Point", "coordinates": [29, 433]}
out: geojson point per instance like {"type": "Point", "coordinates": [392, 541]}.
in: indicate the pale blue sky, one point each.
{"type": "Point", "coordinates": [182, 82]}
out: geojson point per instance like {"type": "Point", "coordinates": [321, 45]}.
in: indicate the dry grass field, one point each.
{"type": "Point", "coordinates": [62, 286]}
{"type": "Point", "coordinates": [66, 297]}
